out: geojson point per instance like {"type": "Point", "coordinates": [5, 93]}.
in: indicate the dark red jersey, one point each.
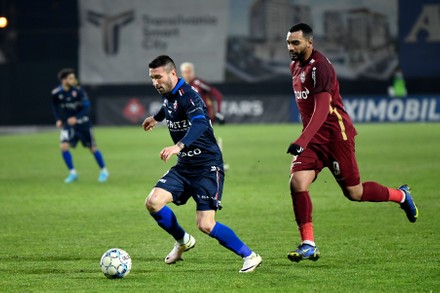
{"type": "Point", "coordinates": [210, 95]}
{"type": "Point", "coordinates": [309, 80]}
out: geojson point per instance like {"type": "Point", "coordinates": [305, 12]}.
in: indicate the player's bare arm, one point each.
{"type": "Point", "coordinates": [59, 124]}
{"type": "Point", "coordinates": [168, 152]}
{"type": "Point", "coordinates": [149, 123]}
{"type": "Point", "coordinates": [72, 121]}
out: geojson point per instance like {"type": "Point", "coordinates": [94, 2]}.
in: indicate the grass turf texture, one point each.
{"type": "Point", "coordinates": [52, 235]}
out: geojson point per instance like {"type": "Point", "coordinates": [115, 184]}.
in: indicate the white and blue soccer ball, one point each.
{"type": "Point", "coordinates": [115, 263]}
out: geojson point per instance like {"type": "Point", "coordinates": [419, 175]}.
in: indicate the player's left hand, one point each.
{"type": "Point", "coordinates": [72, 121]}
{"type": "Point", "coordinates": [167, 152]}
{"type": "Point", "coordinates": [295, 149]}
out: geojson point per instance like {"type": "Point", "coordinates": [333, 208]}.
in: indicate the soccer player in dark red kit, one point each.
{"type": "Point", "coordinates": [210, 95]}
{"type": "Point", "coordinates": [327, 140]}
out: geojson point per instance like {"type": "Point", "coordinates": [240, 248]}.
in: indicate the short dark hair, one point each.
{"type": "Point", "coordinates": [305, 28]}
{"type": "Point", "coordinates": [65, 72]}
{"type": "Point", "coordinates": [163, 60]}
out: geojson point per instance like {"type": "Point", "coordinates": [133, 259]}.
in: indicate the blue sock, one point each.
{"type": "Point", "coordinates": [67, 157]}
{"type": "Point", "coordinates": [166, 219]}
{"type": "Point", "coordinates": [99, 159]}
{"type": "Point", "coordinates": [228, 239]}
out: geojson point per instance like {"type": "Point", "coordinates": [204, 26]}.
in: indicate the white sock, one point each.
{"type": "Point", "coordinates": [73, 171]}
{"type": "Point", "coordinates": [309, 243]}
{"type": "Point", "coordinates": [104, 170]}
{"type": "Point", "coordinates": [185, 239]}
{"type": "Point", "coordinates": [250, 255]}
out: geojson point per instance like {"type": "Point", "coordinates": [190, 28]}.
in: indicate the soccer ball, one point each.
{"type": "Point", "coordinates": [115, 263]}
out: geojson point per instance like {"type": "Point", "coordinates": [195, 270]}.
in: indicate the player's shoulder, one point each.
{"type": "Point", "coordinates": [187, 91]}
{"type": "Point", "coordinates": [56, 90]}
{"type": "Point", "coordinates": [319, 59]}
{"type": "Point", "coordinates": [202, 84]}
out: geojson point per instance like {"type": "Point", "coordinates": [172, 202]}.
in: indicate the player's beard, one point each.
{"type": "Point", "coordinates": [166, 88]}
{"type": "Point", "coordinates": [299, 56]}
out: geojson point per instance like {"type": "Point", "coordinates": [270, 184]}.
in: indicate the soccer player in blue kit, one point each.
{"type": "Point", "coordinates": [199, 169]}
{"type": "Point", "coordinates": [71, 108]}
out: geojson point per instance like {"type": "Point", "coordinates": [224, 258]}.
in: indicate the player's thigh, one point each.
{"type": "Point", "coordinates": [175, 182]}
{"type": "Point", "coordinates": [87, 137]}
{"type": "Point", "coordinates": [304, 169]}
{"type": "Point", "coordinates": [68, 138]}
{"type": "Point", "coordinates": [205, 220]}
{"type": "Point", "coordinates": [157, 199]}
{"type": "Point", "coordinates": [207, 189]}
{"type": "Point", "coordinates": [343, 164]}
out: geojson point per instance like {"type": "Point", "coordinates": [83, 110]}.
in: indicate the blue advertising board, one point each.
{"type": "Point", "coordinates": [419, 38]}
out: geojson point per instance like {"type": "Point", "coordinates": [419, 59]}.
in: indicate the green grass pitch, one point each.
{"type": "Point", "coordinates": [52, 235]}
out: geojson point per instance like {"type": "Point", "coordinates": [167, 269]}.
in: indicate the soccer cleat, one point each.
{"type": "Point", "coordinates": [408, 205]}
{"type": "Point", "coordinates": [251, 262]}
{"type": "Point", "coordinates": [179, 249]}
{"type": "Point", "coordinates": [103, 176]}
{"type": "Point", "coordinates": [71, 178]}
{"type": "Point", "coordinates": [304, 251]}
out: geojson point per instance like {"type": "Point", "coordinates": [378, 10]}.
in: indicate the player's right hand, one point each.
{"type": "Point", "coordinates": [59, 124]}
{"type": "Point", "coordinates": [295, 149]}
{"type": "Point", "coordinates": [149, 123]}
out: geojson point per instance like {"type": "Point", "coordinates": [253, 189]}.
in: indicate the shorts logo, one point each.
{"type": "Point", "coordinates": [163, 180]}
{"type": "Point", "coordinates": [336, 169]}
{"type": "Point", "coordinates": [202, 196]}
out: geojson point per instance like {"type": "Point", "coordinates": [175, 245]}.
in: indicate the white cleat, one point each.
{"type": "Point", "coordinates": [251, 262]}
{"type": "Point", "coordinates": [179, 249]}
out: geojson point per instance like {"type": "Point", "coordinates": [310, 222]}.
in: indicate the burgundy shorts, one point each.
{"type": "Point", "coordinates": [338, 156]}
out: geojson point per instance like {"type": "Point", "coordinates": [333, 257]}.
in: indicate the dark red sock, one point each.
{"type": "Point", "coordinates": [374, 192]}
{"type": "Point", "coordinates": [302, 208]}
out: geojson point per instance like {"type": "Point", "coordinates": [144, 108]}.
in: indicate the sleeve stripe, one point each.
{"type": "Point", "coordinates": [197, 117]}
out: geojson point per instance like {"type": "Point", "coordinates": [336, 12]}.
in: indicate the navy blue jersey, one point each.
{"type": "Point", "coordinates": [188, 121]}
{"type": "Point", "coordinates": [71, 103]}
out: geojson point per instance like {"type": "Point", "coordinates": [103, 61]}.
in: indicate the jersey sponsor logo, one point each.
{"type": "Point", "coordinates": [192, 153]}
{"type": "Point", "coordinates": [178, 125]}
{"type": "Point", "coordinates": [302, 95]}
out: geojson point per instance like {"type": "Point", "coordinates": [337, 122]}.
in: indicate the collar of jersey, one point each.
{"type": "Point", "coordinates": [308, 60]}
{"type": "Point", "coordinates": [178, 85]}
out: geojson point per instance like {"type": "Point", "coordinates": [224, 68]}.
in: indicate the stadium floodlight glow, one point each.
{"type": "Point", "coordinates": [3, 22]}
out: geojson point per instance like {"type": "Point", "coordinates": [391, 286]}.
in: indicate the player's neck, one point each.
{"type": "Point", "coordinates": [65, 87]}
{"type": "Point", "coordinates": [307, 56]}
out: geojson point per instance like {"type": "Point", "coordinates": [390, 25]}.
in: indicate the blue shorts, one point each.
{"type": "Point", "coordinates": [83, 133]}
{"type": "Point", "coordinates": [205, 186]}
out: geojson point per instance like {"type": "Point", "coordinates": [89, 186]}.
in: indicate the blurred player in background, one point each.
{"type": "Point", "coordinates": [71, 108]}
{"type": "Point", "coordinates": [210, 95]}
{"type": "Point", "coordinates": [199, 169]}
{"type": "Point", "coordinates": [327, 140]}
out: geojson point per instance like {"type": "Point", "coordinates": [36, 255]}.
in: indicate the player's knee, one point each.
{"type": "Point", "coordinates": [297, 185]}
{"type": "Point", "coordinates": [353, 193]}
{"type": "Point", "coordinates": [152, 203]}
{"type": "Point", "coordinates": [205, 226]}
{"type": "Point", "coordinates": [64, 147]}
